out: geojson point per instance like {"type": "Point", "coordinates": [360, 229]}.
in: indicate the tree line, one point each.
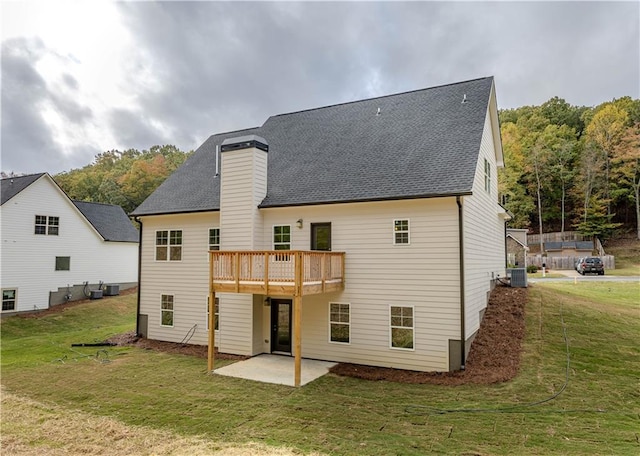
{"type": "Point", "coordinates": [125, 178]}
{"type": "Point", "coordinates": [572, 167]}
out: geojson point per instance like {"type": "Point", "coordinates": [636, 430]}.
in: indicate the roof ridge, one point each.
{"type": "Point", "coordinates": [234, 131]}
{"type": "Point", "coordinates": [379, 97]}
{"type": "Point", "coordinates": [24, 175]}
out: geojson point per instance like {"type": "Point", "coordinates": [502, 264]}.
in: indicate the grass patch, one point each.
{"type": "Point", "coordinates": [627, 254]}
{"type": "Point", "coordinates": [85, 433]}
{"type": "Point", "coordinates": [618, 297]}
{"type": "Point", "coordinates": [157, 392]}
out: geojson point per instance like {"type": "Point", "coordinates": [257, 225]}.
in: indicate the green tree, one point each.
{"type": "Point", "coordinates": [605, 130]}
{"type": "Point", "coordinates": [597, 223]}
{"type": "Point", "coordinates": [626, 169]}
{"type": "Point", "coordinates": [559, 113]}
{"type": "Point", "coordinates": [560, 142]}
{"type": "Point", "coordinates": [125, 178]}
{"type": "Point", "coordinates": [510, 179]}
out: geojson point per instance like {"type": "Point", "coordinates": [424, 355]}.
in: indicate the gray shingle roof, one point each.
{"type": "Point", "coordinates": [423, 143]}
{"type": "Point", "coordinates": [11, 186]}
{"type": "Point", "coordinates": [109, 220]}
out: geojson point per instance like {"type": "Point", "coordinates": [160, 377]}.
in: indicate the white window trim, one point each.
{"type": "Point", "coordinates": [273, 234]}
{"type": "Point", "coordinates": [15, 299]}
{"type": "Point", "coordinates": [209, 237]}
{"type": "Point", "coordinates": [168, 246]}
{"type": "Point", "coordinates": [413, 328]}
{"type": "Point", "coordinates": [393, 231]}
{"type": "Point", "coordinates": [172, 310]}
{"type": "Point", "coordinates": [340, 323]}
{"type": "Point", "coordinates": [207, 315]}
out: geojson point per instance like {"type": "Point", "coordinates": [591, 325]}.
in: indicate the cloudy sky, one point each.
{"type": "Point", "coordinates": [82, 77]}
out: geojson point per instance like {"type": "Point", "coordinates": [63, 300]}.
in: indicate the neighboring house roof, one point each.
{"type": "Point", "coordinates": [575, 245]}
{"type": "Point", "coordinates": [11, 186]}
{"type": "Point", "coordinates": [418, 144]}
{"type": "Point", "coordinates": [524, 246]}
{"type": "Point", "coordinates": [109, 220]}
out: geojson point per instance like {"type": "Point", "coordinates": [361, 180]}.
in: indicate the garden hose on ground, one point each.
{"type": "Point", "coordinates": [414, 409]}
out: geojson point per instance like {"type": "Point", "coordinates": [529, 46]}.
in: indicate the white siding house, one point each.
{"type": "Point", "coordinates": [402, 188]}
{"type": "Point", "coordinates": [51, 245]}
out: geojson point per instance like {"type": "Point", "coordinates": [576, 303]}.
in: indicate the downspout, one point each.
{"type": "Point", "coordinates": [506, 248]}
{"type": "Point", "coordinates": [137, 219]}
{"type": "Point", "coordinates": [461, 262]}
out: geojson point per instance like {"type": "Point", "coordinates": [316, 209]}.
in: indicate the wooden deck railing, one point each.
{"type": "Point", "coordinates": [284, 272]}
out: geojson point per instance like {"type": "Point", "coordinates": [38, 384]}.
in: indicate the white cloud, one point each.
{"type": "Point", "coordinates": [81, 77]}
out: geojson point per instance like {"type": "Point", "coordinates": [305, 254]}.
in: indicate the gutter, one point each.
{"type": "Point", "coordinates": [463, 341]}
{"type": "Point", "coordinates": [137, 219]}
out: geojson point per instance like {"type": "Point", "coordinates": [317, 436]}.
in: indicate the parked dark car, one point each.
{"type": "Point", "coordinates": [592, 265]}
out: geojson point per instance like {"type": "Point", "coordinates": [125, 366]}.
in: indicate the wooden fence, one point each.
{"type": "Point", "coordinates": [567, 262]}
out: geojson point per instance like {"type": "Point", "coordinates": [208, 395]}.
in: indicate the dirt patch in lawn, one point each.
{"type": "Point", "coordinates": [200, 351]}
{"type": "Point", "coordinates": [494, 356]}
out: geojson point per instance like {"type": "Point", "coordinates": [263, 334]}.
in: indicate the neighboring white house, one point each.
{"type": "Point", "coordinates": [51, 245]}
{"type": "Point", "coordinates": [400, 195]}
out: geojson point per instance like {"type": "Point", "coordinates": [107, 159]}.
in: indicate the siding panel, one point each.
{"type": "Point", "coordinates": [484, 243]}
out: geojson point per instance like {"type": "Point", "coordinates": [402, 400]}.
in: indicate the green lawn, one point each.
{"type": "Point", "coordinates": [627, 259]}
{"type": "Point", "coordinates": [597, 413]}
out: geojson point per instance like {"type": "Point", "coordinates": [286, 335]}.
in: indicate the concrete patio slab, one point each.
{"type": "Point", "coordinates": [275, 369]}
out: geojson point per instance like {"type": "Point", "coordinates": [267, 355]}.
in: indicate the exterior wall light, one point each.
{"type": "Point", "coordinates": [299, 223]}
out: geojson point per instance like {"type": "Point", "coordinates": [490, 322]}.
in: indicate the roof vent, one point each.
{"type": "Point", "coordinates": [378, 113]}
{"type": "Point", "coordinates": [464, 98]}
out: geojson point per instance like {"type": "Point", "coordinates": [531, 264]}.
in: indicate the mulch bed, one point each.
{"type": "Point", "coordinates": [494, 356]}
{"type": "Point", "coordinates": [199, 351]}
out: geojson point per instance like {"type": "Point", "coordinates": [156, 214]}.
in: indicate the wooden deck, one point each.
{"type": "Point", "coordinates": [276, 272]}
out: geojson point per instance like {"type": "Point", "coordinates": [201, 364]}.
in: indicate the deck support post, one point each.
{"type": "Point", "coordinates": [212, 310]}
{"type": "Point", "coordinates": [297, 320]}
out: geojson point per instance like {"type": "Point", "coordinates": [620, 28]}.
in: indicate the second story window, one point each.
{"type": "Point", "coordinates": [282, 237]}
{"type": "Point", "coordinates": [487, 175]}
{"type": "Point", "coordinates": [47, 225]}
{"type": "Point", "coordinates": [214, 239]}
{"type": "Point", "coordinates": [169, 245]}
{"type": "Point", "coordinates": [401, 231]}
